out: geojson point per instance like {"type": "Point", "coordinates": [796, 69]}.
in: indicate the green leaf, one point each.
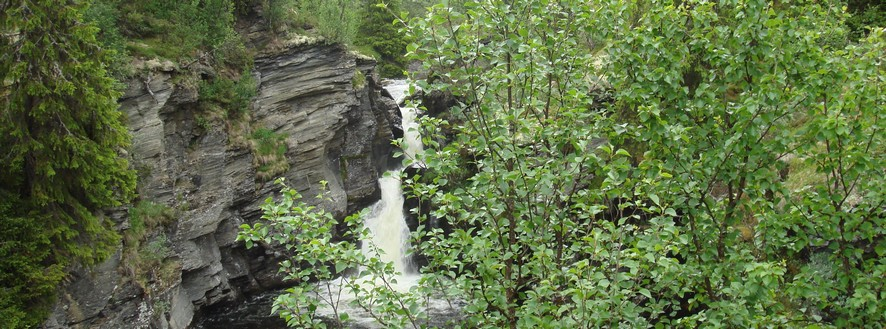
{"type": "Point", "coordinates": [645, 292]}
{"type": "Point", "coordinates": [654, 199]}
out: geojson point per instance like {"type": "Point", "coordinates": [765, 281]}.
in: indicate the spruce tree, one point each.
{"type": "Point", "coordinates": [384, 37]}
{"type": "Point", "coordinates": [61, 137]}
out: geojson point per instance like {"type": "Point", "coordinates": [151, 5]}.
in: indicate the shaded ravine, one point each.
{"type": "Point", "coordinates": [390, 234]}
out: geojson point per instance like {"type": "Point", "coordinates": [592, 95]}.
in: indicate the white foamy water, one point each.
{"type": "Point", "coordinates": [388, 228]}
{"type": "Point", "coordinates": [387, 224]}
{"type": "Point", "coordinates": [411, 137]}
{"type": "Point", "coordinates": [397, 89]}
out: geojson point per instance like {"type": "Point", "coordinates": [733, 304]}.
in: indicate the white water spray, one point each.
{"type": "Point", "coordinates": [387, 223]}
{"type": "Point", "coordinates": [411, 138]}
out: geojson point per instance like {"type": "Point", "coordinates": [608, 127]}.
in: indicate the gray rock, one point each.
{"type": "Point", "coordinates": [334, 132]}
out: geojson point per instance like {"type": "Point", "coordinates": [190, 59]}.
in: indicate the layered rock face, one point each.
{"type": "Point", "coordinates": [337, 123]}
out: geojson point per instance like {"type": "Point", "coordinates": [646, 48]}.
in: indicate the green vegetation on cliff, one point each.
{"type": "Point", "coordinates": [186, 31]}
{"type": "Point", "coordinates": [385, 40]}
{"type": "Point", "coordinates": [182, 31]}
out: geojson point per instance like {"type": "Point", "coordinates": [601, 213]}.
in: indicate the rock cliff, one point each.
{"type": "Point", "coordinates": [336, 123]}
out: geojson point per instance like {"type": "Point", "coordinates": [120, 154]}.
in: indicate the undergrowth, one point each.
{"type": "Point", "coordinates": [147, 256]}
{"type": "Point", "coordinates": [269, 153]}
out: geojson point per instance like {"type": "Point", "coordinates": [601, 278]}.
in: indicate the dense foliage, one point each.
{"type": "Point", "coordinates": [384, 38]}
{"type": "Point", "coordinates": [61, 137]}
{"type": "Point", "coordinates": [865, 15]}
{"type": "Point", "coordinates": [747, 87]}
{"type": "Point", "coordinates": [732, 177]}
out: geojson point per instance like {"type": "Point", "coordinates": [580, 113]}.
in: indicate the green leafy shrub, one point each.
{"type": "Point", "coordinates": [336, 20]}
{"type": "Point", "coordinates": [233, 53]}
{"type": "Point", "coordinates": [560, 224]}
{"type": "Point", "coordinates": [418, 8]}
{"type": "Point", "coordinates": [282, 15]}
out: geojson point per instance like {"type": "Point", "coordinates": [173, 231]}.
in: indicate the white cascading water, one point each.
{"type": "Point", "coordinates": [411, 136]}
{"type": "Point", "coordinates": [388, 226]}
{"type": "Point", "coordinates": [386, 221]}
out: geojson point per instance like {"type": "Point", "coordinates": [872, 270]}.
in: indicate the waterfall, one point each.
{"type": "Point", "coordinates": [387, 225]}
{"type": "Point", "coordinates": [390, 234]}
{"type": "Point", "coordinates": [387, 221]}
{"type": "Point", "coordinates": [411, 137]}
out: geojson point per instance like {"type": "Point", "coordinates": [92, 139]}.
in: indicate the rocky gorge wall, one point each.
{"type": "Point", "coordinates": [337, 123]}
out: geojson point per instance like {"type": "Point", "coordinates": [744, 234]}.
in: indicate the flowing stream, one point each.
{"type": "Point", "coordinates": [387, 223]}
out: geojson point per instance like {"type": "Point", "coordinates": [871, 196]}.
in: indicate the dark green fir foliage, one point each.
{"type": "Point", "coordinates": [28, 274]}
{"type": "Point", "coordinates": [61, 137]}
{"type": "Point", "coordinates": [379, 32]}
